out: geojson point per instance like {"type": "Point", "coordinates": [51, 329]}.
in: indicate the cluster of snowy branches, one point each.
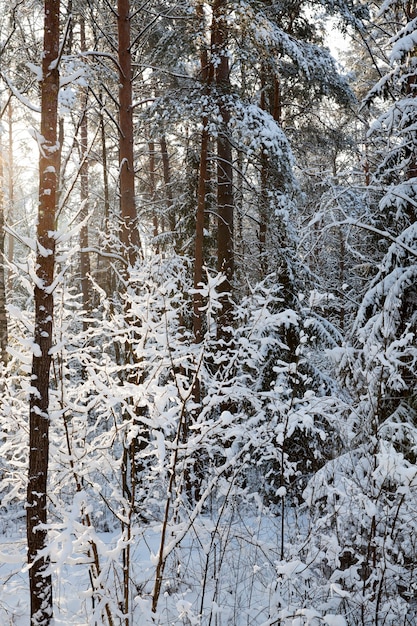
{"type": "Point", "coordinates": [231, 399]}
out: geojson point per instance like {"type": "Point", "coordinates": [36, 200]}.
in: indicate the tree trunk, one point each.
{"type": "Point", "coordinates": [3, 316]}
{"type": "Point", "coordinates": [152, 193]}
{"type": "Point", "coordinates": [411, 14]}
{"type": "Point", "coordinates": [170, 217]}
{"type": "Point", "coordinates": [129, 234]}
{"type": "Point", "coordinates": [131, 249]}
{"type": "Point", "coordinates": [263, 205]}
{"type": "Point", "coordinates": [84, 255]}
{"type": "Point", "coordinates": [10, 241]}
{"type": "Point", "coordinates": [225, 201]}
{"type": "Point", "coordinates": [104, 267]}
{"type": "Point", "coordinates": [270, 101]}
{"type": "Point", "coordinates": [199, 235]}
{"type": "Point", "coordinates": [206, 77]}
{"type": "Point", "coordinates": [39, 576]}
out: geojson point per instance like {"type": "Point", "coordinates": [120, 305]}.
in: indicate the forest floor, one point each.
{"type": "Point", "coordinates": [225, 571]}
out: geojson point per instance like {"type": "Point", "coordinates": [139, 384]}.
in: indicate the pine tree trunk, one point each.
{"type": "Point", "coordinates": [10, 241]}
{"type": "Point", "coordinates": [168, 191]}
{"type": "Point", "coordinates": [39, 576]}
{"type": "Point", "coordinates": [411, 13]}
{"type": "Point", "coordinates": [84, 255]}
{"type": "Point", "coordinates": [131, 249]}
{"type": "Point", "coordinates": [129, 234]}
{"type": "Point", "coordinates": [263, 204]}
{"type": "Point", "coordinates": [152, 193]}
{"type": "Point", "coordinates": [206, 77]}
{"type": "Point", "coordinates": [199, 235]}
{"type": "Point", "coordinates": [3, 316]}
{"type": "Point", "coordinates": [225, 201]}
{"type": "Point", "coordinates": [270, 101]}
{"type": "Point", "coordinates": [104, 267]}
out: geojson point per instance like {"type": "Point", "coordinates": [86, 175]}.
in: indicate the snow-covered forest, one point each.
{"type": "Point", "coordinates": [208, 313]}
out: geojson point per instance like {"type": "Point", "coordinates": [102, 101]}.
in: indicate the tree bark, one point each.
{"type": "Point", "coordinates": [10, 212]}
{"type": "Point", "coordinates": [104, 267]}
{"type": "Point", "coordinates": [270, 101]}
{"type": "Point", "coordinates": [152, 193]}
{"type": "Point", "coordinates": [199, 235]}
{"type": "Point", "coordinates": [225, 201]}
{"type": "Point", "coordinates": [3, 316]}
{"type": "Point", "coordinates": [411, 13]}
{"type": "Point", "coordinates": [39, 576]}
{"type": "Point", "coordinates": [206, 77]}
{"type": "Point", "coordinates": [129, 234]}
{"type": "Point", "coordinates": [84, 256]}
{"type": "Point", "coordinates": [170, 217]}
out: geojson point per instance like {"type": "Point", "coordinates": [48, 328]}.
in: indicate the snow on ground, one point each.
{"type": "Point", "coordinates": [224, 570]}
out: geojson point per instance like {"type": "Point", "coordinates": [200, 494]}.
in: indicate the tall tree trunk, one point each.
{"type": "Point", "coordinates": [411, 14]}
{"type": "Point", "coordinates": [263, 208]}
{"type": "Point", "coordinates": [10, 241]}
{"type": "Point", "coordinates": [131, 249]}
{"type": "Point", "coordinates": [129, 234]}
{"type": "Point", "coordinates": [225, 201]}
{"type": "Point", "coordinates": [270, 101]}
{"type": "Point", "coordinates": [39, 576]}
{"type": "Point", "coordinates": [84, 255]}
{"type": "Point", "coordinates": [199, 235]}
{"type": "Point", "coordinates": [206, 77]}
{"type": "Point", "coordinates": [3, 316]}
{"type": "Point", "coordinates": [168, 191]}
{"type": "Point", "coordinates": [152, 193]}
{"type": "Point", "coordinates": [104, 266]}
